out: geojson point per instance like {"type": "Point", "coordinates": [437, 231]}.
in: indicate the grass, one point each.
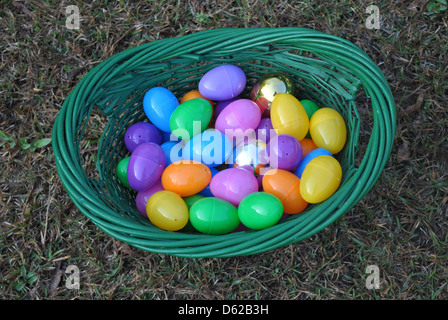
{"type": "Point", "coordinates": [400, 226]}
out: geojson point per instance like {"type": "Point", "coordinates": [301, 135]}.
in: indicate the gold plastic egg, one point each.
{"type": "Point", "coordinates": [269, 85]}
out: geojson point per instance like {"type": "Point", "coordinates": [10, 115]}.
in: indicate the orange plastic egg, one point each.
{"type": "Point", "coordinates": [285, 186]}
{"type": "Point", "coordinates": [194, 94]}
{"type": "Point", "coordinates": [186, 177]}
{"type": "Point", "coordinates": [307, 146]}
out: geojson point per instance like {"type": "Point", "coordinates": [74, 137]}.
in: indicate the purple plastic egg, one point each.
{"type": "Point", "coordinates": [143, 196]}
{"type": "Point", "coordinates": [220, 105]}
{"type": "Point", "coordinates": [141, 132]}
{"type": "Point", "coordinates": [222, 83]}
{"type": "Point", "coordinates": [263, 131]}
{"type": "Point", "coordinates": [284, 152]}
{"type": "Point", "coordinates": [240, 118]}
{"type": "Point", "coordinates": [233, 185]}
{"type": "Point", "coordinates": [146, 165]}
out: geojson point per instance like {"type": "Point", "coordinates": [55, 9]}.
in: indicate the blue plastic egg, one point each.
{"type": "Point", "coordinates": [173, 151]}
{"type": "Point", "coordinates": [210, 147]}
{"type": "Point", "coordinates": [158, 104]}
{"type": "Point", "coordinates": [306, 159]}
{"type": "Point", "coordinates": [207, 192]}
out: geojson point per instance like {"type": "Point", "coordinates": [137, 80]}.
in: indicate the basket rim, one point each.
{"type": "Point", "coordinates": [359, 183]}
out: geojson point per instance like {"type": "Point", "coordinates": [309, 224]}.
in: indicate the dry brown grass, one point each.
{"type": "Point", "coordinates": [401, 225]}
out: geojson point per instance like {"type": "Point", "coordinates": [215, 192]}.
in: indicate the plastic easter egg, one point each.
{"type": "Point", "coordinates": [221, 105]}
{"type": "Point", "coordinates": [167, 210]}
{"type": "Point", "coordinates": [309, 106]}
{"type": "Point", "coordinates": [210, 147]}
{"type": "Point", "coordinates": [141, 200]}
{"type": "Point", "coordinates": [191, 200]}
{"type": "Point", "coordinates": [286, 187]}
{"type": "Point", "coordinates": [233, 184]}
{"type": "Point", "coordinates": [265, 130]}
{"type": "Point", "coordinates": [222, 83]}
{"type": "Point", "coordinates": [269, 85]}
{"type": "Point", "coordinates": [288, 116]}
{"type": "Point", "coordinates": [328, 130]}
{"type": "Point", "coordinates": [307, 146]}
{"type": "Point", "coordinates": [186, 177]}
{"type": "Point", "coordinates": [122, 171]}
{"type": "Point", "coordinates": [250, 155]}
{"type": "Point", "coordinates": [158, 104]}
{"type": "Point", "coordinates": [241, 117]}
{"type": "Point", "coordinates": [306, 159]}
{"type": "Point", "coordinates": [320, 179]}
{"type": "Point", "coordinates": [173, 151]}
{"type": "Point", "coordinates": [206, 192]}
{"type": "Point", "coordinates": [194, 94]}
{"type": "Point", "coordinates": [145, 166]}
{"type": "Point", "coordinates": [141, 132]}
{"type": "Point", "coordinates": [284, 152]}
{"type": "Point", "coordinates": [168, 136]}
{"type": "Point", "coordinates": [260, 210]}
{"type": "Point", "coordinates": [214, 216]}
{"type": "Point", "coordinates": [191, 118]}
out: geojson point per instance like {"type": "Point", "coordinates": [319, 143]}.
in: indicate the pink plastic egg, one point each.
{"type": "Point", "coordinates": [239, 118]}
{"type": "Point", "coordinates": [233, 185]}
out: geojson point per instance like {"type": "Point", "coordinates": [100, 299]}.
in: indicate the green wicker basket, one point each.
{"type": "Point", "coordinates": [326, 69]}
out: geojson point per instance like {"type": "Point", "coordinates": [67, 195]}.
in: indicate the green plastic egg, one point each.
{"type": "Point", "coordinates": [214, 216]}
{"type": "Point", "coordinates": [122, 171]}
{"type": "Point", "coordinates": [189, 201]}
{"type": "Point", "coordinates": [190, 117]}
{"type": "Point", "coordinates": [260, 210]}
{"type": "Point", "coordinates": [310, 107]}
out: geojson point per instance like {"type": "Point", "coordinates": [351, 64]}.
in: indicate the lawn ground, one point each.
{"type": "Point", "coordinates": [401, 226]}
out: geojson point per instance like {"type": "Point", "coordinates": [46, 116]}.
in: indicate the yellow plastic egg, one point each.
{"type": "Point", "coordinates": [288, 116]}
{"type": "Point", "coordinates": [320, 179]}
{"type": "Point", "coordinates": [328, 130]}
{"type": "Point", "coordinates": [167, 210]}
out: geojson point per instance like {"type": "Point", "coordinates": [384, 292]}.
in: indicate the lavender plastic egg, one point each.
{"type": "Point", "coordinates": [285, 152]}
{"type": "Point", "coordinates": [240, 118]}
{"type": "Point", "coordinates": [146, 166]}
{"type": "Point", "coordinates": [233, 185]}
{"type": "Point", "coordinates": [143, 196]}
{"type": "Point", "coordinates": [222, 83]}
{"type": "Point", "coordinates": [263, 131]}
{"type": "Point", "coordinates": [141, 132]}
